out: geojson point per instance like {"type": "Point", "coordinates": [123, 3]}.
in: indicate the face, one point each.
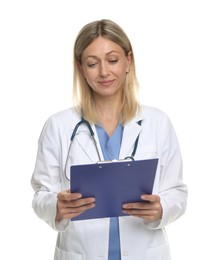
{"type": "Point", "coordinates": [104, 66]}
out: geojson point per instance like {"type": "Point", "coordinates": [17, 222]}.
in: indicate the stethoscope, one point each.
{"type": "Point", "coordinates": [92, 134]}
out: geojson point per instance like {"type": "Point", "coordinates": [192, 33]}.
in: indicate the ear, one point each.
{"type": "Point", "coordinates": [79, 66]}
{"type": "Point", "coordinates": [129, 61]}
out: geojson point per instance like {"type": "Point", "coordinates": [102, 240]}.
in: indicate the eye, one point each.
{"type": "Point", "coordinates": [113, 61]}
{"type": "Point", "coordinates": [92, 65]}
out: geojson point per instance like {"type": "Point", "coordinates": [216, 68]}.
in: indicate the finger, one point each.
{"type": "Point", "coordinates": [81, 202]}
{"type": "Point", "coordinates": [76, 203]}
{"type": "Point", "coordinates": [137, 205]}
{"type": "Point", "coordinates": [143, 206]}
{"type": "Point", "coordinates": [69, 213]}
{"type": "Point", "coordinates": [140, 212]}
{"type": "Point", "coordinates": [67, 195]}
{"type": "Point", "coordinates": [147, 215]}
{"type": "Point", "coordinates": [150, 197]}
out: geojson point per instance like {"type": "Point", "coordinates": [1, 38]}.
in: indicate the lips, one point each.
{"type": "Point", "coordinates": [106, 83]}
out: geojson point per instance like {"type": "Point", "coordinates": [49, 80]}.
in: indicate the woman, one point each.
{"type": "Point", "coordinates": [105, 94]}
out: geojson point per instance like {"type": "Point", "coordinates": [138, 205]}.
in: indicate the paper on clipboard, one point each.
{"type": "Point", "coordinates": [112, 184]}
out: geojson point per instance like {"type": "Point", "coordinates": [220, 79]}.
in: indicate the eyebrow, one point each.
{"type": "Point", "coordinates": [108, 53]}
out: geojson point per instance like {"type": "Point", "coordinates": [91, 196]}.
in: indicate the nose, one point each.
{"type": "Point", "coordinates": [104, 69]}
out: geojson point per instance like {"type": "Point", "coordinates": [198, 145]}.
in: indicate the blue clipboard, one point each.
{"type": "Point", "coordinates": [112, 184]}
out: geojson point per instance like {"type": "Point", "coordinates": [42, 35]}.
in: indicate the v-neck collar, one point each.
{"type": "Point", "coordinates": [110, 144]}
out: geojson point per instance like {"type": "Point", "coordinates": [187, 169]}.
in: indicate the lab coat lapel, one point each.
{"type": "Point", "coordinates": [86, 142]}
{"type": "Point", "coordinates": [130, 133]}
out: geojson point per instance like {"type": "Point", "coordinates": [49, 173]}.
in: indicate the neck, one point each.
{"type": "Point", "coordinates": [108, 108]}
{"type": "Point", "coordinates": [109, 114]}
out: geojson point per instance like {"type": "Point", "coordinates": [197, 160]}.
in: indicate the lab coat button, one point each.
{"type": "Point", "coordinates": [125, 253]}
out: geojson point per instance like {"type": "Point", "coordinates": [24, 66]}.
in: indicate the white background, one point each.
{"type": "Point", "coordinates": [178, 51]}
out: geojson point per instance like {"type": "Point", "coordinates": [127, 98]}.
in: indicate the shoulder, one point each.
{"type": "Point", "coordinates": [148, 112]}
{"type": "Point", "coordinates": [61, 121]}
{"type": "Point", "coordinates": [157, 121]}
{"type": "Point", "coordinates": [63, 114]}
{"type": "Point", "coordinates": [64, 117]}
{"type": "Point", "coordinates": [155, 118]}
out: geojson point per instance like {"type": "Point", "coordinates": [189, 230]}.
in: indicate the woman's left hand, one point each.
{"type": "Point", "coordinates": [149, 209]}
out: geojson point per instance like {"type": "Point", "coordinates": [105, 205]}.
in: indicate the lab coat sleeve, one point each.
{"type": "Point", "coordinates": [170, 185]}
{"type": "Point", "coordinates": [46, 180]}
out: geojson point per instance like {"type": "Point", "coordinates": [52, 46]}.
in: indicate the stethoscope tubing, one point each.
{"type": "Point", "coordinates": [84, 121]}
{"type": "Point", "coordinates": [81, 122]}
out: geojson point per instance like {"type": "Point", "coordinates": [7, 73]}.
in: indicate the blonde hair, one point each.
{"type": "Point", "coordinates": [82, 93]}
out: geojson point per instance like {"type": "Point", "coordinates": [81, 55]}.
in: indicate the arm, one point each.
{"type": "Point", "coordinates": [50, 202]}
{"type": "Point", "coordinates": [169, 202]}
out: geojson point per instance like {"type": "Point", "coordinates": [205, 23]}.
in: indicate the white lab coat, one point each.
{"type": "Point", "coordinates": [88, 239]}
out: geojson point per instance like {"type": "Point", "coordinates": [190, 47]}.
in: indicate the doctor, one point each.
{"type": "Point", "coordinates": [105, 94]}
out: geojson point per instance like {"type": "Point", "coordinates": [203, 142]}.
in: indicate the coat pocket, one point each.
{"type": "Point", "coordinates": [158, 253]}
{"type": "Point", "coordinates": [64, 255]}
{"type": "Point", "coordinates": [144, 153]}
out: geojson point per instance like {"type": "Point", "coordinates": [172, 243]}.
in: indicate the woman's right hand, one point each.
{"type": "Point", "coordinates": [70, 205]}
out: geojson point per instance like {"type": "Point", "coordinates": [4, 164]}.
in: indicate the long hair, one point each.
{"type": "Point", "coordinates": [82, 93]}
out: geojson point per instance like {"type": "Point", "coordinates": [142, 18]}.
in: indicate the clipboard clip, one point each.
{"type": "Point", "coordinates": [126, 159]}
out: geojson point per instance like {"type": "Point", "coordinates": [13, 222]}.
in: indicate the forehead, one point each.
{"type": "Point", "coordinates": [102, 46]}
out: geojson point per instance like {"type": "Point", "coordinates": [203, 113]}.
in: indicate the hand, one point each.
{"type": "Point", "coordinates": [149, 209]}
{"type": "Point", "coordinates": [71, 205]}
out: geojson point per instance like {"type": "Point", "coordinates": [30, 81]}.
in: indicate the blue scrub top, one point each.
{"type": "Point", "coordinates": [111, 148]}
